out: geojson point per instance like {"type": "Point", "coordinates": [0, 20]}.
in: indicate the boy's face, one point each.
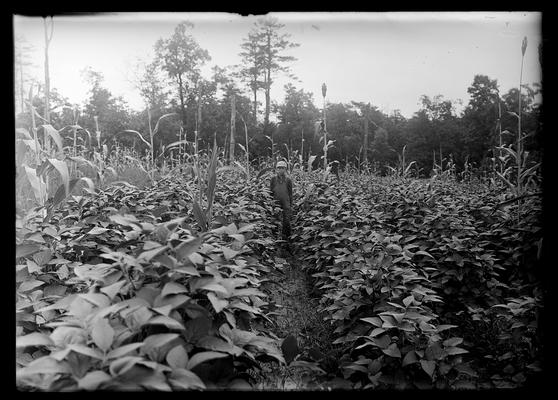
{"type": "Point", "coordinates": [281, 170]}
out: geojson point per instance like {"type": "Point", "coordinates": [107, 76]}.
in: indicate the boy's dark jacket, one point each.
{"type": "Point", "coordinates": [286, 198]}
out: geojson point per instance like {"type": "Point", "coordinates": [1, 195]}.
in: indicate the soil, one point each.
{"type": "Point", "coordinates": [305, 336]}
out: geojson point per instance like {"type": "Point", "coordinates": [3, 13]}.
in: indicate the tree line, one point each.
{"type": "Point", "coordinates": [224, 109]}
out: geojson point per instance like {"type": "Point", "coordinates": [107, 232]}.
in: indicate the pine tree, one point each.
{"type": "Point", "coordinates": [267, 47]}
{"type": "Point", "coordinates": [251, 70]}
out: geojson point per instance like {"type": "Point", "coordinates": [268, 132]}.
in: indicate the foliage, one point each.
{"type": "Point", "coordinates": [144, 270]}
{"type": "Point", "coordinates": [174, 82]}
{"type": "Point", "coordinates": [427, 283]}
{"type": "Point", "coordinates": [103, 111]}
{"type": "Point", "coordinates": [181, 58]}
{"type": "Point", "coordinates": [264, 58]}
{"type": "Point", "coordinates": [409, 272]}
{"type": "Point", "coordinates": [117, 291]}
{"type": "Point", "coordinates": [480, 116]}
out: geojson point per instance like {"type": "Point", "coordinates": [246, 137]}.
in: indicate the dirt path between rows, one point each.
{"type": "Point", "coordinates": [306, 337]}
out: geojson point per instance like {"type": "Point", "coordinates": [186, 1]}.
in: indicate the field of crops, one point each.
{"type": "Point", "coordinates": [427, 283]}
{"type": "Point", "coordinates": [400, 283]}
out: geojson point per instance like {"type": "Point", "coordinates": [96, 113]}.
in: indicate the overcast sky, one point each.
{"type": "Point", "coordinates": [388, 59]}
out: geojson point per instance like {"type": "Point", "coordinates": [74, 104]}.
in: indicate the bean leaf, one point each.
{"type": "Point", "coordinates": [204, 356]}
{"type": "Point", "coordinates": [102, 334]}
{"type": "Point", "coordinates": [177, 357]}
{"type": "Point", "coordinates": [33, 339]}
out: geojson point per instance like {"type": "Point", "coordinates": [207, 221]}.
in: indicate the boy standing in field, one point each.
{"type": "Point", "coordinates": [282, 189]}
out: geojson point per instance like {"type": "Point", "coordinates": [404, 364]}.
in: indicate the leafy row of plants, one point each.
{"type": "Point", "coordinates": [410, 271]}
{"type": "Point", "coordinates": [124, 289]}
{"type": "Point", "coordinates": [484, 260]}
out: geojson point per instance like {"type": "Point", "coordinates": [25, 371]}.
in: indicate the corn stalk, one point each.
{"type": "Point", "coordinates": [500, 162]}
{"type": "Point", "coordinates": [34, 126]}
{"type": "Point", "coordinates": [197, 154]}
{"type": "Point", "coordinates": [75, 130]}
{"type": "Point", "coordinates": [324, 92]}
{"type": "Point", "coordinates": [48, 38]}
{"type": "Point", "coordinates": [233, 123]}
{"type": "Point", "coordinates": [46, 143]}
{"type": "Point", "coordinates": [524, 173]}
{"type": "Point", "coordinates": [302, 148]}
{"type": "Point", "coordinates": [245, 148]}
{"type": "Point", "coordinates": [404, 169]}
{"type": "Point", "coordinates": [203, 217]}
{"type": "Point", "coordinates": [182, 148]}
{"type": "Point", "coordinates": [519, 135]}
{"type": "Point", "coordinates": [97, 132]}
{"type": "Point", "coordinates": [152, 134]}
{"type": "Point", "coordinates": [38, 175]}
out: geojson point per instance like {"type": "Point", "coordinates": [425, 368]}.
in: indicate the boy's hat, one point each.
{"type": "Point", "coordinates": [281, 164]}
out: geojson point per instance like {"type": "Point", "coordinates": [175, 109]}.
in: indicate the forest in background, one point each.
{"type": "Point", "coordinates": [362, 135]}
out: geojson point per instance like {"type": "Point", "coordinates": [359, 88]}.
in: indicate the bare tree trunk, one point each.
{"type": "Point", "coordinates": [227, 147]}
{"type": "Point", "coordinates": [272, 144]}
{"type": "Point", "coordinates": [182, 107]}
{"type": "Point", "coordinates": [247, 151]}
{"type": "Point", "coordinates": [267, 99]}
{"type": "Point", "coordinates": [180, 146]}
{"type": "Point", "coordinates": [519, 134]}
{"type": "Point", "coordinates": [47, 84]}
{"type": "Point", "coordinates": [255, 104]}
{"type": "Point", "coordinates": [365, 144]}
{"type": "Point", "coordinates": [43, 195]}
{"type": "Point", "coordinates": [150, 136]}
{"type": "Point", "coordinates": [290, 147]}
{"type": "Point", "coordinates": [267, 83]}
{"type": "Point", "coordinates": [21, 88]}
{"type": "Point", "coordinates": [302, 147]}
{"type": "Point", "coordinates": [246, 147]}
{"type": "Point", "coordinates": [97, 132]}
{"type": "Point", "coordinates": [34, 127]}
{"type": "Point", "coordinates": [500, 137]}
{"type": "Point", "coordinates": [233, 121]}
{"type": "Point", "coordinates": [199, 117]}
{"type": "Point", "coordinates": [47, 75]}
{"type": "Point", "coordinates": [441, 159]}
{"type": "Point", "coordinates": [198, 124]}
